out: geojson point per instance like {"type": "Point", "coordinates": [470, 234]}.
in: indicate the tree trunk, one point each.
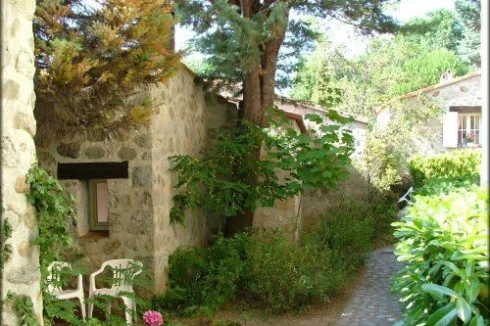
{"type": "Point", "coordinates": [258, 95]}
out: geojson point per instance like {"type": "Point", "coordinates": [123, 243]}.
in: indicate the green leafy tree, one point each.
{"type": "Point", "coordinates": [228, 181]}
{"type": "Point", "coordinates": [468, 12]}
{"type": "Point", "coordinates": [243, 40]}
{"type": "Point", "coordinates": [89, 60]}
{"type": "Point", "coordinates": [389, 68]}
{"type": "Point", "coordinates": [243, 37]}
{"type": "Point", "coordinates": [425, 69]}
{"type": "Point", "coordinates": [439, 29]}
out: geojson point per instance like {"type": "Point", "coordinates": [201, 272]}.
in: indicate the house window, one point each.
{"type": "Point", "coordinates": [468, 129]}
{"type": "Point", "coordinates": [91, 186]}
{"type": "Point", "coordinates": [461, 127]}
{"type": "Point", "coordinates": [99, 205]}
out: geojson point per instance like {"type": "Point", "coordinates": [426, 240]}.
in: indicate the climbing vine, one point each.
{"type": "Point", "coordinates": [56, 216]}
{"type": "Point", "coordinates": [24, 309]}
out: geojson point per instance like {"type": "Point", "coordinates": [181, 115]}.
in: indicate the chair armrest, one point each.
{"type": "Point", "coordinates": [80, 283]}
{"type": "Point", "coordinates": [92, 279]}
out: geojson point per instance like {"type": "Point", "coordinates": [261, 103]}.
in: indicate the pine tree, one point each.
{"type": "Point", "coordinates": [469, 15]}
{"type": "Point", "coordinates": [439, 29]}
{"type": "Point", "coordinates": [89, 60]}
{"type": "Point", "coordinates": [243, 40]}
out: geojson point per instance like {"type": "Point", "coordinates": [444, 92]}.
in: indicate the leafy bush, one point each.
{"type": "Point", "coordinates": [201, 280]}
{"type": "Point", "coordinates": [349, 233]}
{"type": "Point", "coordinates": [366, 221]}
{"type": "Point", "coordinates": [444, 241]}
{"type": "Point", "coordinates": [229, 179]}
{"type": "Point", "coordinates": [461, 164]}
{"type": "Point", "coordinates": [283, 276]}
{"type": "Point", "coordinates": [265, 269]}
{"type": "Point", "coordinates": [438, 186]}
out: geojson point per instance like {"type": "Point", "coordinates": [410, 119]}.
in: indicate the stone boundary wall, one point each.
{"type": "Point", "coordinates": [317, 202]}
{"type": "Point", "coordinates": [21, 273]}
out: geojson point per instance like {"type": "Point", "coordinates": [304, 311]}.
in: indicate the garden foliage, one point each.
{"type": "Point", "coordinates": [228, 180]}
{"type": "Point", "coordinates": [458, 165]}
{"type": "Point", "coordinates": [443, 239]}
{"type": "Point", "coordinates": [266, 270]}
{"type": "Point", "coordinates": [56, 218]}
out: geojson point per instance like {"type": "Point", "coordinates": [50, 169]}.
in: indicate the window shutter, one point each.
{"type": "Point", "coordinates": [450, 130]}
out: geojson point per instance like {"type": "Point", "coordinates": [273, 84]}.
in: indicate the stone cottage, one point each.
{"type": "Point", "coordinates": [123, 184]}
{"type": "Point", "coordinates": [459, 123]}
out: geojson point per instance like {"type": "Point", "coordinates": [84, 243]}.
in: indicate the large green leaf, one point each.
{"type": "Point", "coordinates": [464, 310]}
{"type": "Point", "coordinates": [443, 316]}
{"type": "Point", "coordinates": [439, 290]}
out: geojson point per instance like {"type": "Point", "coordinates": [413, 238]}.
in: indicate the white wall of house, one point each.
{"type": "Point", "coordinates": [485, 98]}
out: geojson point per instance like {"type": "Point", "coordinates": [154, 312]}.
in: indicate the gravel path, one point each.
{"type": "Point", "coordinates": [372, 304]}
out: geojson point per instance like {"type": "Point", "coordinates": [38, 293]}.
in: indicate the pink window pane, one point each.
{"type": "Point", "coordinates": [102, 202]}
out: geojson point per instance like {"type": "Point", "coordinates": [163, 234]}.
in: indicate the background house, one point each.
{"type": "Point", "coordinates": [459, 123]}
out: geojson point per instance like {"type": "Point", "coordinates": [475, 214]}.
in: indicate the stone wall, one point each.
{"type": "Point", "coordinates": [130, 201]}
{"type": "Point", "coordinates": [20, 274]}
{"type": "Point", "coordinates": [317, 202]}
{"type": "Point", "coordinates": [183, 122]}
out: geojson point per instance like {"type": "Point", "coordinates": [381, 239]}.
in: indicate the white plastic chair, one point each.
{"type": "Point", "coordinates": [406, 196]}
{"type": "Point", "coordinates": [54, 285]}
{"type": "Point", "coordinates": [123, 273]}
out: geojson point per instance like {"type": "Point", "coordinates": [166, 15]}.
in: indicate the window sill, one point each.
{"type": "Point", "coordinates": [95, 235]}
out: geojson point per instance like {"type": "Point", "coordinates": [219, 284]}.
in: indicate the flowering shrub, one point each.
{"type": "Point", "coordinates": [153, 318]}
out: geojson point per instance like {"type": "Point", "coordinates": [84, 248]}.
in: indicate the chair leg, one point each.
{"type": "Point", "coordinates": [108, 307]}
{"type": "Point", "coordinates": [90, 308]}
{"type": "Point", "coordinates": [134, 309]}
{"type": "Point", "coordinates": [129, 311]}
{"type": "Point", "coordinates": [82, 307]}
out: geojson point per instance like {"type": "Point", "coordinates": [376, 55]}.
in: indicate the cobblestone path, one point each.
{"type": "Point", "coordinates": [372, 304]}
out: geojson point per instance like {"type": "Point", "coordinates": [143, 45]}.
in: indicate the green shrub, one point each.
{"type": "Point", "coordinates": [201, 280]}
{"type": "Point", "coordinates": [461, 164]}
{"type": "Point", "coordinates": [439, 186]}
{"type": "Point", "coordinates": [371, 220]}
{"type": "Point", "coordinates": [265, 269]}
{"type": "Point", "coordinates": [349, 235]}
{"type": "Point", "coordinates": [284, 276]}
{"type": "Point", "coordinates": [444, 241]}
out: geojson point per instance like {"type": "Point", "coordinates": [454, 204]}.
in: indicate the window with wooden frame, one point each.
{"type": "Point", "coordinates": [94, 177]}
{"type": "Point", "coordinates": [98, 205]}
{"type": "Point", "coordinates": [461, 127]}
{"type": "Point", "coordinates": [469, 129]}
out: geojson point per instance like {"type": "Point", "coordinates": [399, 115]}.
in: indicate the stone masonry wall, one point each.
{"type": "Point", "coordinates": [130, 202]}
{"type": "Point", "coordinates": [184, 123]}
{"type": "Point", "coordinates": [20, 274]}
